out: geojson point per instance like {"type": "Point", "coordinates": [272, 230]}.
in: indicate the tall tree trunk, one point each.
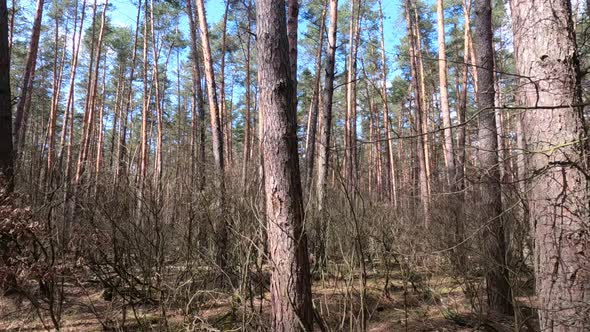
{"type": "Point", "coordinates": [55, 96]}
{"type": "Point", "coordinates": [555, 133]}
{"type": "Point", "coordinates": [444, 97]}
{"type": "Point", "coordinates": [498, 289]}
{"type": "Point", "coordinates": [290, 281]}
{"type": "Point", "coordinates": [315, 101]}
{"type": "Point", "coordinates": [246, 152]}
{"type": "Point", "coordinates": [424, 120]}
{"type": "Point", "coordinates": [100, 130]}
{"type": "Point", "coordinates": [350, 160]}
{"type": "Point", "coordinates": [217, 137]}
{"type": "Point", "coordinates": [91, 100]}
{"type": "Point", "coordinates": [325, 126]}
{"type": "Point", "coordinates": [461, 112]}
{"type": "Point", "coordinates": [6, 147]}
{"type": "Point", "coordinates": [197, 103]}
{"type": "Point", "coordinates": [20, 116]}
{"type": "Point", "coordinates": [122, 142]}
{"type": "Point", "coordinates": [389, 147]}
{"type": "Point", "coordinates": [144, 148]}
{"type": "Point", "coordinates": [225, 122]}
{"type": "Point", "coordinates": [292, 25]}
{"type": "Point", "coordinates": [420, 114]}
{"type": "Point", "coordinates": [119, 91]}
{"type": "Point", "coordinates": [159, 119]}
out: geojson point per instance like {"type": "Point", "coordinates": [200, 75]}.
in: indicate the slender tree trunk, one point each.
{"type": "Point", "coordinates": [223, 116]}
{"type": "Point", "coordinates": [144, 148]}
{"type": "Point", "coordinates": [420, 128]}
{"type": "Point", "coordinates": [90, 106]}
{"type": "Point", "coordinates": [159, 120]}
{"type": "Point", "coordinates": [444, 98]}
{"type": "Point", "coordinates": [546, 52]}
{"type": "Point", "coordinates": [217, 137]}
{"type": "Point", "coordinates": [122, 142]}
{"type": "Point", "coordinates": [291, 307]}
{"type": "Point", "coordinates": [350, 159]}
{"type": "Point", "coordinates": [389, 147]}
{"type": "Point", "coordinates": [325, 121]}
{"type": "Point", "coordinates": [197, 103]}
{"type": "Point", "coordinates": [119, 91]}
{"type": "Point", "coordinates": [424, 120]}
{"type": "Point", "coordinates": [21, 116]}
{"type": "Point", "coordinates": [315, 101]}
{"type": "Point", "coordinates": [498, 289]}
{"type": "Point", "coordinates": [246, 152]}
{"type": "Point", "coordinates": [6, 147]}
{"type": "Point", "coordinates": [460, 171]}
{"type": "Point", "coordinates": [11, 31]}
{"type": "Point", "coordinates": [325, 126]}
{"type": "Point", "coordinates": [56, 87]}
{"type": "Point", "coordinates": [100, 132]}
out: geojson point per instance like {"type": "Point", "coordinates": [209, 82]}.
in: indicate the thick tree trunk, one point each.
{"type": "Point", "coordinates": [545, 51]}
{"type": "Point", "coordinates": [21, 111]}
{"type": "Point", "coordinates": [290, 283]}
{"type": "Point", "coordinates": [6, 150]}
{"type": "Point", "coordinates": [498, 288]}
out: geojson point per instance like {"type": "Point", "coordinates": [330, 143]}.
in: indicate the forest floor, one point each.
{"type": "Point", "coordinates": [404, 306]}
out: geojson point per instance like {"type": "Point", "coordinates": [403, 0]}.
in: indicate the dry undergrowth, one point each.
{"type": "Point", "coordinates": [400, 307]}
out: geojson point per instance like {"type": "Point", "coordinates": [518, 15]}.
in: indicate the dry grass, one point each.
{"type": "Point", "coordinates": [337, 300]}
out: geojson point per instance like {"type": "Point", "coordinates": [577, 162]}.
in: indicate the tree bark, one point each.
{"type": "Point", "coordinates": [21, 111]}
{"type": "Point", "coordinates": [90, 105]}
{"type": "Point", "coordinates": [225, 124]}
{"type": "Point", "coordinates": [350, 160]}
{"type": "Point", "coordinates": [325, 121]}
{"type": "Point", "coordinates": [461, 112]}
{"type": "Point", "coordinates": [315, 101]}
{"type": "Point", "coordinates": [6, 147]}
{"type": "Point", "coordinates": [246, 151]}
{"type": "Point", "coordinates": [145, 99]}
{"type": "Point", "coordinates": [325, 127]}
{"type": "Point", "coordinates": [389, 147]}
{"type": "Point", "coordinates": [444, 97]}
{"type": "Point", "coordinates": [499, 295]}
{"type": "Point", "coordinates": [420, 114]}
{"type": "Point", "coordinates": [546, 52]}
{"type": "Point", "coordinates": [290, 282]}
{"type": "Point", "coordinates": [424, 120]}
{"type": "Point", "coordinates": [217, 137]}
{"type": "Point", "coordinates": [159, 120]}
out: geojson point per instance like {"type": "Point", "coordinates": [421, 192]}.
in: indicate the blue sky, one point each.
{"type": "Point", "coordinates": [123, 13]}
